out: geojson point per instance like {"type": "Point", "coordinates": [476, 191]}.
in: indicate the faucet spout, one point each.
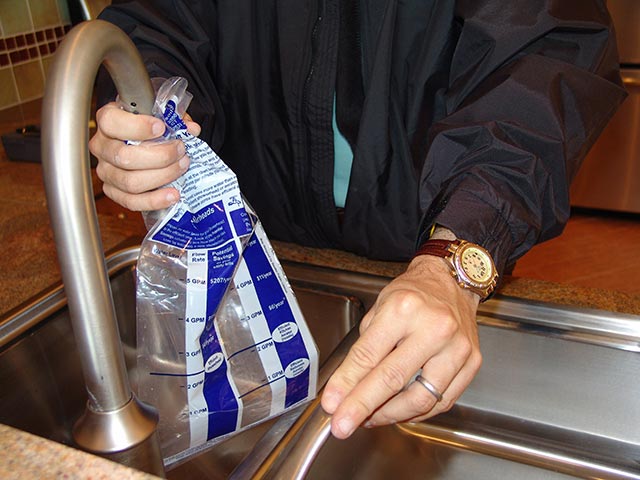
{"type": "Point", "coordinates": [115, 423]}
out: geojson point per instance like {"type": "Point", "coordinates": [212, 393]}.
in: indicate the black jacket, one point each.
{"type": "Point", "coordinates": [476, 113]}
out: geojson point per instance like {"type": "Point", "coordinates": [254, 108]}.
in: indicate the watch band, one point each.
{"type": "Point", "coordinates": [470, 264]}
{"type": "Point", "coordinates": [437, 247]}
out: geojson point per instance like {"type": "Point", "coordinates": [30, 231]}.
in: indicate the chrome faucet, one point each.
{"type": "Point", "coordinates": [115, 423]}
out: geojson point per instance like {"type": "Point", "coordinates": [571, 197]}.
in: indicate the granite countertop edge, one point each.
{"type": "Point", "coordinates": [519, 287]}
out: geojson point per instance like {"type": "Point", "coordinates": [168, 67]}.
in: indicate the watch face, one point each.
{"type": "Point", "coordinates": [476, 264]}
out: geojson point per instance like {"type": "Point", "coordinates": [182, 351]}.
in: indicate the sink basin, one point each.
{"type": "Point", "coordinates": [557, 396]}
{"type": "Point", "coordinates": [41, 385]}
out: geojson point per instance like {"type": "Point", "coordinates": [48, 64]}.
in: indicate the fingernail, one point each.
{"type": "Point", "coordinates": [118, 160]}
{"type": "Point", "coordinates": [184, 163]}
{"type": "Point", "coordinates": [181, 149]}
{"type": "Point", "coordinates": [157, 128]}
{"type": "Point", "coordinates": [172, 197]}
{"type": "Point", "coordinates": [346, 426]}
{"type": "Point", "coordinates": [330, 401]}
{"type": "Point", "coordinates": [369, 424]}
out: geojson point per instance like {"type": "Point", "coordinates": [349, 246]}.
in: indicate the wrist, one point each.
{"type": "Point", "coordinates": [470, 265]}
{"type": "Point", "coordinates": [438, 271]}
{"type": "Point", "coordinates": [442, 233]}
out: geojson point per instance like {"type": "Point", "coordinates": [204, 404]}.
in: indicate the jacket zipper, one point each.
{"type": "Point", "coordinates": [306, 201]}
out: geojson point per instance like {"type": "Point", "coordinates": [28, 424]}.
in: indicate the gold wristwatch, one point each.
{"type": "Point", "coordinates": [470, 264]}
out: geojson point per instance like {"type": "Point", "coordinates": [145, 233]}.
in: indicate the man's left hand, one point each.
{"type": "Point", "coordinates": [423, 321]}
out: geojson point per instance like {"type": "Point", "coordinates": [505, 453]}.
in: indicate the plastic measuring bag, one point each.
{"type": "Point", "coordinates": [222, 343]}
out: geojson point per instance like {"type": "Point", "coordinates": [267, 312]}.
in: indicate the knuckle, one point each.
{"type": "Point", "coordinates": [163, 155]}
{"type": "Point", "coordinates": [343, 380]}
{"type": "Point", "coordinates": [447, 326]}
{"type": "Point", "coordinates": [104, 115]}
{"type": "Point", "coordinates": [383, 418]}
{"type": "Point", "coordinates": [475, 360]}
{"type": "Point", "coordinates": [446, 404]}
{"type": "Point", "coordinates": [421, 402]}
{"type": "Point", "coordinates": [121, 154]}
{"type": "Point", "coordinates": [124, 181]}
{"type": "Point", "coordinates": [117, 196]}
{"type": "Point", "coordinates": [154, 203]}
{"type": "Point", "coordinates": [335, 383]}
{"type": "Point", "coordinates": [100, 170]}
{"type": "Point", "coordinates": [108, 190]}
{"type": "Point", "coordinates": [406, 302]}
{"type": "Point", "coordinates": [465, 349]}
{"type": "Point", "coordinates": [101, 113]}
{"type": "Point", "coordinates": [129, 183]}
{"type": "Point", "coordinates": [363, 356]}
{"type": "Point", "coordinates": [361, 406]}
{"type": "Point", "coordinates": [93, 145]}
{"type": "Point", "coordinates": [393, 377]}
{"type": "Point", "coordinates": [366, 321]}
{"type": "Point", "coordinates": [168, 175]}
{"type": "Point", "coordinates": [362, 327]}
{"type": "Point", "coordinates": [126, 202]}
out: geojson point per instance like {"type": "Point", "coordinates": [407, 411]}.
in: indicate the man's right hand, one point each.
{"type": "Point", "coordinates": [134, 174]}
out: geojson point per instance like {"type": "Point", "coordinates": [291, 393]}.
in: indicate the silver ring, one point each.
{"type": "Point", "coordinates": [426, 384]}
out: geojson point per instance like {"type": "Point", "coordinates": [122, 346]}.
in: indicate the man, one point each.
{"type": "Point", "coordinates": [379, 126]}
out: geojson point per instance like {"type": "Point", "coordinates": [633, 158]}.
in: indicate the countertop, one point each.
{"type": "Point", "coordinates": [24, 456]}
{"type": "Point", "coordinates": [29, 266]}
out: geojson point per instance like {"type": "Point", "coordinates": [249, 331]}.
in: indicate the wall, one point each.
{"type": "Point", "coordinates": [30, 31]}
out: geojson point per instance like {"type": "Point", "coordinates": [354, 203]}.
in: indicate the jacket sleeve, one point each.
{"type": "Point", "coordinates": [532, 85]}
{"type": "Point", "coordinates": [175, 38]}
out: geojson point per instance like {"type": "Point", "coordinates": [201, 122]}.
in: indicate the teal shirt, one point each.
{"type": "Point", "coordinates": [343, 159]}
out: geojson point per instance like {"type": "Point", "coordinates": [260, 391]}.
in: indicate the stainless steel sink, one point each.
{"type": "Point", "coordinates": [557, 396]}
{"type": "Point", "coordinates": [41, 385]}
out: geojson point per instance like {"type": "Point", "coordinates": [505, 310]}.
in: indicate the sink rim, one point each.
{"type": "Point", "coordinates": [588, 325]}
{"type": "Point", "coordinates": [597, 327]}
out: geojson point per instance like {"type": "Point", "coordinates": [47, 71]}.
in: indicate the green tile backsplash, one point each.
{"type": "Point", "coordinates": [15, 17]}
{"type": "Point", "coordinates": [30, 31]}
{"type": "Point", "coordinates": [8, 91]}
{"type": "Point", "coordinates": [31, 84]}
{"type": "Point", "coordinates": [44, 13]}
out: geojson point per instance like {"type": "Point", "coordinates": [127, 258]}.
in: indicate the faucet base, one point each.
{"type": "Point", "coordinates": [126, 435]}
